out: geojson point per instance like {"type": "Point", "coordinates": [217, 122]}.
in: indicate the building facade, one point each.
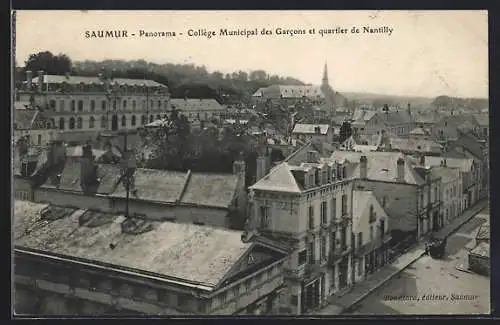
{"type": "Point", "coordinates": [313, 132]}
{"type": "Point", "coordinates": [81, 107]}
{"type": "Point", "coordinates": [309, 206]}
{"type": "Point", "coordinates": [451, 191]}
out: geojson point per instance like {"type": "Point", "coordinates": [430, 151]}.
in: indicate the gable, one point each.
{"type": "Point", "coordinates": [257, 257]}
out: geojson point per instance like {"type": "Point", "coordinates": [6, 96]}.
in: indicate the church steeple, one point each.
{"type": "Point", "coordinates": [325, 75]}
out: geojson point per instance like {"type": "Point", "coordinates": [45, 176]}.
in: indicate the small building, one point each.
{"type": "Point", "coordinates": [313, 132]}
{"type": "Point", "coordinates": [479, 259]}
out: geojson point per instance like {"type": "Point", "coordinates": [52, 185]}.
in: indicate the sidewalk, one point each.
{"type": "Point", "coordinates": [386, 273]}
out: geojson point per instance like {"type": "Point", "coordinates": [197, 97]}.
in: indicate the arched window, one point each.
{"type": "Point", "coordinates": [124, 104]}
{"type": "Point", "coordinates": [133, 120]}
{"type": "Point", "coordinates": [92, 105]}
{"type": "Point", "coordinates": [159, 103]}
{"type": "Point", "coordinates": [61, 105]}
{"type": "Point", "coordinates": [124, 121]}
{"type": "Point", "coordinates": [80, 105]}
{"type": "Point", "coordinates": [151, 118]}
{"type": "Point", "coordinates": [103, 105]}
{"type": "Point", "coordinates": [144, 119]}
{"type": "Point", "coordinates": [79, 123]}
{"type": "Point", "coordinates": [91, 122]}
{"type": "Point", "coordinates": [104, 122]}
{"type": "Point", "coordinates": [52, 124]}
{"type": "Point", "coordinates": [71, 123]}
{"type": "Point", "coordinates": [61, 123]}
{"type": "Point", "coordinates": [133, 104]}
{"type": "Point", "coordinates": [73, 105]}
{"type": "Point", "coordinates": [52, 104]}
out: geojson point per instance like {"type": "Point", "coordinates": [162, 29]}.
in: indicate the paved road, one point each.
{"type": "Point", "coordinates": [430, 286]}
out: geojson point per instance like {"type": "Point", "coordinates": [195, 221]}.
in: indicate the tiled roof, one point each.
{"type": "Point", "coordinates": [279, 179]}
{"type": "Point", "coordinates": [23, 119]}
{"type": "Point", "coordinates": [75, 80]}
{"type": "Point", "coordinates": [464, 164]}
{"type": "Point", "coordinates": [419, 145]}
{"type": "Point", "coordinates": [215, 190]}
{"type": "Point", "coordinates": [26, 215]}
{"type": "Point", "coordinates": [395, 117]}
{"type": "Point", "coordinates": [188, 252]}
{"type": "Point", "coordinates": [470, 143]}
{"type": "Point", "coordinates": [300, 91]}
{"type": "Point", "coordinates": [447, 174]}
{"type": "Point", "coordinates": [191, 105]}
{"type": "Point", "coordinates": [310, 128]}
{"type": "Point", "coordinates": [155, 185]}
{"type": "Point", "coordinates": [382, 166]}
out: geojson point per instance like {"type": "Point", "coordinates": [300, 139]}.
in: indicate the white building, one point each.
{"type": "Point", "coordinates": [451, 191]}
{"type": "Point", "coordinates": [313, 132]}
{"type": "Point", "coordinates": [309, 206]}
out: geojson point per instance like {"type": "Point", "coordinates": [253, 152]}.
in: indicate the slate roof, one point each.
{"type": "Point", "coordinates": [188, 252]}
{"type": "Point", "coordinates": [215, 190]}
{"type": "Point", "coordinates": [198, 105]}
{"type": "Point", "coordinates": [75, 80]}
{"type": "Point", "coordinates": [382, 166]}
{"type": "Point", "coordinates": [464, 164]}
{"type": "Point", "coordinates": [309, 128]}
{"type": "Point", "coordinates": [155, 185]}
{"type": "Point", "coordinates": [395, 117]}
{"type": "Point", "coordinates": [26, 214]}
{"type": "Point", "coordinates": [279, 179]}
{"type": "Point", "coordinates": [447, 174]}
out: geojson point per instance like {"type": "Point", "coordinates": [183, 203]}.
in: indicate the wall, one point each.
{"type": "Point", "coordinates": [22, 189]}
{"type": "Point", "coordinates": [69, 199]}
{"type": "Point", "coordinates": [401, 202]}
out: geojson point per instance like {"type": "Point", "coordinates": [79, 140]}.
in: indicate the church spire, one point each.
{"type": "Point", "coordinates": [325, 75]}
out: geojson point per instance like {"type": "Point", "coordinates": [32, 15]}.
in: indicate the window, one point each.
{"type": "Point", "coordinates": [334, 208]}
{"type": "Point", "coordinates": [264, 217]}
{"type": "Point", "coordinates": [151, 118]}
{"type": "Point", "coordinates": [73, 105]}
{"type": "Point", "coordinates": [61, 123]}
{"type": "Point", "coordinates": [159, 103]}
{"type": "Point", "coordinates": [92, 105]}
{"type": "Point", "coordinates": [144, 119]}
{"type": "Point", "coordinates": [79, 123]}
{"type": "Point", "coordinates": [248, 285]}
{"type": "Point", "coordinates": [311, 217]}
{"type": "Point", "coordinates": [80, 105]}
{"type": "Point", "coordinates": [52, 104]}
{"type": "Point", "coordinates": [294, 300]}
{"type": "Point", "coordinates": [133, 120]}
{"type": "Point", "coordinates": [382, 228]}
{"type": "Point", "coordinates": [91, 122]}
{"type": "Point", "coordinates": [114, 104]}
{"type": "Point", "coordinates": [235, 291]}
{"type": "Point", "coordinates": [322, 248]}
{"type": "Point", "coordinates": [360, 239]}
{"type": "Point", "coordinates": [103, 105]}
{"type": "Point", "coordinates": [61, 105]}
{"type": "Point", "coordinates": [39, 139]}
{"type": "Point", "coordinates": [125, 104]}
{"type": "Point", "coordinates": [71, 123]}
{"type": "Point", "coordinates": [311, 253]}
{"type": "Point", "coordinates": [104, 122]}
{"type": "Point", "coordinates": [143, 104]}
{"type": "Point", "coordinates": [124, 121]}
{"type": "Point", "coordinates": [360, 267]}
{"type": "Point", "coordinates": [158, 117]}
{"type": "Point", "coordinates": [133, 105]}
{"type": "Point", "coordinates": [371, 233]}
{"type": "Point", "coordinates": [151, 103]}
{"type": "Point", "coordinates": [302, 257]}
{"type": "Point", "coordinates": [373, 216]}
{"type": "Point", "coordinates": [384, 201]}
{"type": "Point", "coordinates": [182, 300]}
{"type": "Point", "coordinates": [323, 213]}
{"type": "Point", "coordinates": [344, 204]}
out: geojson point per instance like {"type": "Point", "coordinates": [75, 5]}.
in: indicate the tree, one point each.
{"type": "Point", "coordinates": [345, 131]}
{"type": "Point", "coordinates": [49, 63]}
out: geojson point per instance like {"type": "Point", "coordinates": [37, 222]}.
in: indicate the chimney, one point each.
{"type": "Point", "coordinates": [422, 160]}
{"type": "Point", "coordinates": [29, 79]}
{"type": "Point", "coordinates": [400, 170]}
{"type": "Point", "coordinates": [40, 80]}
{"type": "Point", "coordinates": [88, 170]}
{"type": "Point", "coordinates": [311, 156]}
{"type": "Point", "coordinates": [363, 167]}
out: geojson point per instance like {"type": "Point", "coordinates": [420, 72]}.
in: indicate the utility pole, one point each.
{"type": "Point", "coordinates": [128, 167]}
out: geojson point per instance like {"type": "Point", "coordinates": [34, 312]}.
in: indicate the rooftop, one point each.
{"type": "Point", "coordinates": [189, 252]}
{"type": "Point", "coordinates": [310, 128]}
{"type": "Point", "coordinates": [75, 80]}
{"type": "Point", "coordinates": [216, 190]}
{"type": "Point", "coordinates": [191, 104]}
{"type": "Point", "coordinates": [279, 179]}
{"type": "Point", "coordinates": [464, 164]}
{"type": "Point", "coordinates": [447, 174]}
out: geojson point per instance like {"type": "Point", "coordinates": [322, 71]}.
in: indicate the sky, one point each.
{"type": "Point", "coordinates": [428, 53]}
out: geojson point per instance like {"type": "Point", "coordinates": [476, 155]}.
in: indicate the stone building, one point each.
{"type": "Point", "coordinates": [451, 191]}
{"type": "Point", "coordinates": [370, 233]}
{"type": "Point", "coordinates": [407, 191]}
{"type": "Point", "coordinates": [313, 132]}
{"type": "Point", "coordinates": [81, 107]}
{"type": "Point", "coordinates": [307, 205]}
{"type": "Point", "coordinates": [87, 263]}
{"type": "Point", "coordinates": [198, 110]}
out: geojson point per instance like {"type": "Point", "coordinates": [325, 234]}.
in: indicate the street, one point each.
{"type": "Point", "coordinates": [431, 286]}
